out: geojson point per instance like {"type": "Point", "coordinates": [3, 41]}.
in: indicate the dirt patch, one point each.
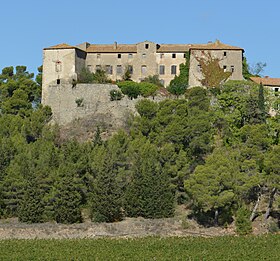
{"type": "Point", "coordinates": [130, 227]}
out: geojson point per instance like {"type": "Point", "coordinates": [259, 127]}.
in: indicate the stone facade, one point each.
{"type": "Point", "coordinates": [62, 64]}
{"type": "Point", "coordinates": [142, 59]}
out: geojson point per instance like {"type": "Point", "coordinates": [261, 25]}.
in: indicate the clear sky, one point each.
{"type": "Point", "coordinates": [29, 26]}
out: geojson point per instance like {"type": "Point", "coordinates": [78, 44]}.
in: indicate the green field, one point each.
{"type": "Point", "coordinates": [151, 248]}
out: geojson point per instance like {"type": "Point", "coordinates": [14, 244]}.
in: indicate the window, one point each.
{"type": "Point", "coordinates": [199, 68]}
{"type": "Point", "coordinates": [89, 67]}
{"type": "Point", "coordinates": [225, 68]}
{"type": "Point", "coordinates": [276, 89]}
{"type": "Point", "coordinates": [98, 68]}
{"type": "Point", "coordinates": [161, 56]}
{"type": "Point", "coordinates": [98, 56]}
{"type": "Point", "coordinates": [58, 81]}
{"type": "Point", "coordinates": [119, 69]}
{"type": "Point", "coordinates": [225, 54]}
{"type": "Point", "coordinates": [119, 56]}
{"type": "Point", "coordinates": [162, 82]}
{"type": "Point", "coordinates": [174, 55]}
{"type": "Point", "coordinates": [109, 69]}
{"type": "Point", "coordinates": [173, 69]}
{"type": "Point", "coordinates": [143, 55]}
{"type": "Point", "coordinates": [144, 69]}
{"type": "Point", "coordinates": [146, 46]}
{"type": "Point", "coordinates": [161, 69]}
{"type": "Point", "coordinates": [185, 55]}
{"type": "Point", "coordinates": [130, 55]}
{"type": "Point", "coordinates": [232, 68]}
{"type": "Point", "coordinates": [58, 66]}
{"type": "Point", "coordinates": [130, 69]}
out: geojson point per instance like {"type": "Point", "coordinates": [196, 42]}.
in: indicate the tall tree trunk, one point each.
{"type": "Point", "coordinates": [253, 214]}
{"type": "Point", "coordinates": [216, 217]}
{"type": "Point", "coordinates": [270, 203]}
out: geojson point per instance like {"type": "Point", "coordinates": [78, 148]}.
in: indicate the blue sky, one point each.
{"type": "Point", "coordinates": [29, 26]}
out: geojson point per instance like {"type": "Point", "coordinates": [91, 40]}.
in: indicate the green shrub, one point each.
{"type": "Point", "coordinates": [129, 88]}
{"type": "Point", "coordinates": [79, 102]}
{"type": "Point", "coordinates": [115, 95]}
{"type": "Point", "coordinates": [242, 223]}
{"type": "Point", "coordinates": [153, 79]}
{"type": "Point", "coordinates": [147, 89]}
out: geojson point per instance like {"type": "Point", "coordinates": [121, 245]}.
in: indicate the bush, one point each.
{"type": "Point", "coordinates": [242, 223]}
{"type": "Point", "coordinates": [115, 95]}
{"type": "Point", "coordinates": [148, 89]}
{"type": "Point", "coordinates": [177, 89]}
{"type": "Point", "coordinates": [147, 108]}
{"type": "Point", "coordinates": [153, 79]}
{"type": "Point", "coordinates": [273, 227]}
{"type": "Point", "coordinates": [129, 88]}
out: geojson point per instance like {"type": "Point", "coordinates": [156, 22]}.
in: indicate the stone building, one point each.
{"type": "Point", "coordinates": [62, 63]}
{"type": "Point", "coordinates": [273, 84]}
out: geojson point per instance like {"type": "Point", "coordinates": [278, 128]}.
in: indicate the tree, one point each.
{"type": "Point", "coordinates": [31, 207]}
{"type": "Point", "coordinates": [149, 194]}
{"type": "Point", "coordinates": [177, 89]}
{"type": "Point", "coordinates": [148, 89]}
{"type": "Point", "coordinates": [107, 204]}
{"type": "Point", "coordinates": [67, 200]}
{"type": "Point", "coordinates": [245, 69]}
{"type": "Point", "coordinates": [129, 88]}
{"type": "Point", "coordinates": [183, 78]}
{"type": "Point", "coordinates": [212, 73]}
{"type": "Point", "coordinates": [107, 198]}
{"type": "Point", "coordinates": [86, 76]}
{"type": "Point", "coordinates": [261, 104]}
{"type": "Point", "coordinates": [242, 223]}
{"type": "Point", "coordinates": [212, 186]}
{"type": "Point", "coordinates": [272, 177]}
{"type": "Point", "coordinates": [154, 79]}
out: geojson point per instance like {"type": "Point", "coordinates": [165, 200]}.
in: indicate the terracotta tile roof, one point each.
{"type": "Point", "coordinates": [112, 48]}
{"type": "Point", "coordinates": [217, 45]}
{"type": "Point", "coordinates": [266, 81]}
{"type": "Point", "coordinates": [173, 48]}
{"type": "Point", "coordinates": [162, 48]}
{"type": "Point", "coordinates": [60, 46]}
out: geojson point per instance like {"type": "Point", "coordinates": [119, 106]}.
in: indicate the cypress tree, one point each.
{"type": "Point", "coordinates": [106, 201]}
{"type": "Point", "coordinates": [149, 193]}
{"type": "Point", "coordinates": [261, 104]}
{"type": "Point", "coordinates": [31, 206]}
{"type": "Point", "coordinates": [67, 201]}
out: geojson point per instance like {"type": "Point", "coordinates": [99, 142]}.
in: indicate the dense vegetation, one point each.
{"type": "Point", "coordinates": [215, 150]}
{"type": "Point", "coordinates": [151, 248]}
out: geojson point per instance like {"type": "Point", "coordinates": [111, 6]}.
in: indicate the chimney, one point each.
{"type": "Point", "coordinates": [115, 45]}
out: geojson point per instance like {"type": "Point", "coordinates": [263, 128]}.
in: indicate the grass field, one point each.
{"type": "Point", "coordinates": [151, 248]}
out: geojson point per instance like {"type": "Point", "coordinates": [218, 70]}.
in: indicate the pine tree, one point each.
{"type": "Point", "coordinates": [31, 206]}
{"type": "Point", "coordinates": [242, 223]}
{"type": "Point", "coordinates": [107, 201]}
{"type": "Point", "coordinates": [67, 201]}
{"type": "Point", "coordinates": [149, 194]}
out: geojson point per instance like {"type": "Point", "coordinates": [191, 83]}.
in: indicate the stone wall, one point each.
{"type": "Point", "coordinates": [88, 100]}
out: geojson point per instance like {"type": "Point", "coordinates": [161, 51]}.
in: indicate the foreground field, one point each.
{"type": "Point", "coordinates": [150, 248]}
